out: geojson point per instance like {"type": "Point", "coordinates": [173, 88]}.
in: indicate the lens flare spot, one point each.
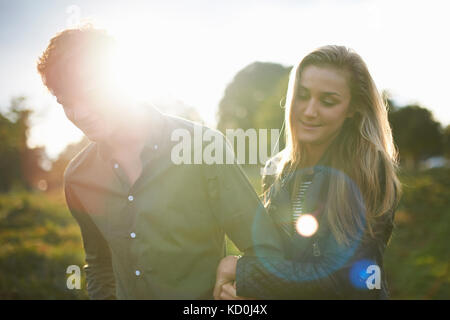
{"type": "Point", "coordinates": [306, 225]}
{"type": "Point", "coordinates": [359, 273]}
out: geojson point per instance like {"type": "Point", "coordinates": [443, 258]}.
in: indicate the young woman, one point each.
{"type": "Point", "coordinates": [332, 191]}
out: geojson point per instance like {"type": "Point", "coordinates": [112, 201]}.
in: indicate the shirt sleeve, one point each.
{"type": "Point", "coordinates": [240, 211]}
{"type": "Point", "coordinates": [99, 272]}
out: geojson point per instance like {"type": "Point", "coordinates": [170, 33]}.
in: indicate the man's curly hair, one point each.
{"type": "Point", "coordinates": [70, 52]}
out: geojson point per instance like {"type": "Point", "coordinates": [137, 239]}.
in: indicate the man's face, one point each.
{"type": "Point", "coordinates": [86, 108]}
{"type": "Point", "coordinates": [85, 91]}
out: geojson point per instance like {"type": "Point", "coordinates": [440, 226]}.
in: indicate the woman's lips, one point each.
{"type": "Point", "coordinates": [309, 125]}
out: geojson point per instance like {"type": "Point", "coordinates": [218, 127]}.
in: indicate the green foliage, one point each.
{"type": "Point", "coordinates": [40, 239]}
{"type": "Point", "coordinates": [447, 142]}
{"type": "Point", "coordinates": [253, 90]}
{"type": "Point", "coordinates": [19, 165]}
{"type": "Point", "coordinates": [417, 135]}
{"type": "Point", "coordinates": [11, 145]}
{"type": "Point", "coordinates": [417, 260]}
{"type": "Point", "coordinates": [252, 100]}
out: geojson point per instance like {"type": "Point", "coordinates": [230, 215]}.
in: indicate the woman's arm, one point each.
{"type": "Point", "coordinates": [327, 277]}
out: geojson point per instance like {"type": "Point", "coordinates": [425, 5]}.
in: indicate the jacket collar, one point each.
{"type": "Point", "coordinates": [280, 194]}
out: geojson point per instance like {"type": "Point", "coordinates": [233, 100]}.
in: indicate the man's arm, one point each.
{"type": "Point", "coordinates": [241, 213]}
{"type": "Point", "coordinates": [99, 272]}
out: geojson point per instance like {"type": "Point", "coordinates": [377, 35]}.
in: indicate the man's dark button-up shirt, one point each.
{"type": "Point", "coordinates": [163, 237]}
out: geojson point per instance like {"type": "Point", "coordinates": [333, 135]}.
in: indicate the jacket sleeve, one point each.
{"type": "Point", "coordinates": [336, 274]}
{"type": "Point", "coordinates": [99, 272]}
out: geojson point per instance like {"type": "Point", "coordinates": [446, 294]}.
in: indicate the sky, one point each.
{"type": "Point", "coordinates": [190, 50]}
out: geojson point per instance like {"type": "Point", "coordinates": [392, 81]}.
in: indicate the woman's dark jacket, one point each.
{"type": "Point", "coordinates": [315, 267]}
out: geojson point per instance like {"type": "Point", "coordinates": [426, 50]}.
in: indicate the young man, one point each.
{"type": "Point", "coordinates": [151, 229]}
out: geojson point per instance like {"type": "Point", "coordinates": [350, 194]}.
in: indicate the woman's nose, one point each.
{"type": "Point", "coordinates": [310, 109]}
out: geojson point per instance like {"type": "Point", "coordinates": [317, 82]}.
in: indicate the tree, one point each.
{"type": "Point", "coordinates": [252, 100]}
{"type": "Point", "coordinates": [10, 156]}
{"type": "Point", "coordinates": [447, 142]}
{"type": "Point", "coordinates": [19, 164]}
{"type": "Point", "coordinates": [253, 91]}
{"type": "Point", "coordinates": [417, 135]}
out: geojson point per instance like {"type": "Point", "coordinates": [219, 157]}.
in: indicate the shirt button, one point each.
{"type": "Point", "coordinates": [130, 198]}
{"type": "Point", "coordinates": [137, 272]}
{"type": "Point", "coordinates": [133, 235]}
{"type": "Point", "coordinates": [116, 165]}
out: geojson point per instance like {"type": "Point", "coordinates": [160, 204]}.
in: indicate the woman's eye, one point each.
{"type": "Point", "coordinates": [302, 96]}
{"type": "Point", "coordinates": [328, 103]}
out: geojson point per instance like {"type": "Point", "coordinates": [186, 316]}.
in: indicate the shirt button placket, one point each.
{"type": "Point", "coordinates": [137, 272]}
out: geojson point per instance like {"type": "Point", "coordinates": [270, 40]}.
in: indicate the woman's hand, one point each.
{"type": "Point", "coordinates": [226, 274]}
{"type": "Point", "coordinates": [225, 288]}
{"type": "Point", "coordinates": [228, 292]}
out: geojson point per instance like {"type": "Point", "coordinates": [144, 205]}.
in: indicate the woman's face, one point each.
{"type": "Point", "coordinates": [321, 104]}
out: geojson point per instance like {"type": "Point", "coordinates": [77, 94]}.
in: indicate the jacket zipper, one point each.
{"type": "Point", "coordinates": [316, 250]}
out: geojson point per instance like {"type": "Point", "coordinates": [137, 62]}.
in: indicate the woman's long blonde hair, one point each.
{"type": "Point", "coordinates": [363, 149]}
